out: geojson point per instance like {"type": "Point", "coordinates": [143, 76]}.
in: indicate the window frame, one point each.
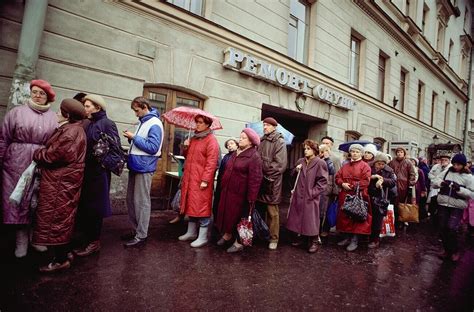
{"type": "Point", "coordinates": [354, 61]}
{"type": "Point", "coordinates": [302, 32]}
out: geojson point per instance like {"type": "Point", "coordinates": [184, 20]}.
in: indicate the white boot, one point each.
{"type": "Point", "coordinates": [191, 234]}
{"type": "Point", "coordinates": [38, 248]}
{"type": "Point", "coordinates": [21, 243]}
{"type": "Point", "coordinates": [202, 239]}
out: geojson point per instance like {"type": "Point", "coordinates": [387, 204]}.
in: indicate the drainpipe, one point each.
{"type": "Point", "coordinates": [34, 16]}
{"type": "Point", "coordinates": [469, 103]}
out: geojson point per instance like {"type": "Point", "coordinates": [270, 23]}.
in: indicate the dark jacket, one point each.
{"type": "Point", "coordinates": [62, 170]}
{"type": "Point", "coordinates": [220, 174]}
{"type": "Point", "coordinates": [303, 217]}
{"type": "Point", "coordinates": [239, 187]}
{"type": "Point", "coordinates": [389, 182]}
{"type": "Point", "coordinates": [272, 149]}
{"type": "Point", "coordinates": [96, 185]}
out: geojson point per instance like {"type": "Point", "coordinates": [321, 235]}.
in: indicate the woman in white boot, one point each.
{"type": "Point", "coordinates": [25, 129]}
{"type": "Point", "coordinates": [202, 153]}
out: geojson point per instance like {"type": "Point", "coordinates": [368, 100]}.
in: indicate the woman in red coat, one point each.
{"type": "Point", "coordinates": [202, 153]}
{"type": "Point", "coordinates": [239, 187]}
{"type": "Point", "coordinates": [62, 163]}
{"type": "Point", "coordinates": [353, 172]}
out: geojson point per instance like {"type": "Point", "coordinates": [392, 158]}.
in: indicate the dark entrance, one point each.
{"type": "Point", "coordinates": [300, 125]}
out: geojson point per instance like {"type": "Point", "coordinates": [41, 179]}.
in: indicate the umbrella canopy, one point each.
{"type": "Point", "coordinates": [183, 117]}
{"type": "Point", "coordinates": [344, 147]}
{"type": "Point", "coordinates": [258, 127]}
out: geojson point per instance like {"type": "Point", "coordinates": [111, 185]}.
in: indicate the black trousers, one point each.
{"type": "Point", "coordinates": [89, 224]}
{"type": "Point", "coordinates": [377, 219]}
{"type": "Point", "coordinates": [449, 221]}
{"type": "Point", "coordinates": [60, 253]}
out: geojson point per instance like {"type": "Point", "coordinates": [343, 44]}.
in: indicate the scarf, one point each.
{"type": "Point", "coordinates": [38, 108]}
{"type": "Point", "coordinates": [202, 134]}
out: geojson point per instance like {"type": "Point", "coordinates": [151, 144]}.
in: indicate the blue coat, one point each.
{"type": "Point", "coordinates": [96, 187]}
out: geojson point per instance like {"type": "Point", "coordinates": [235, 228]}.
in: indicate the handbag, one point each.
{"type": "Point", "coordinates": [259, 226]}
{"type": "Point", "coordinates": [355, 207]}
{"type": "Point", "coordinates": [388, 223]}
{"type": "Point", "coordinates": [245, 229]}
{"type": "Point", "coordinates": [408, 212]}
{"type": "Point", "coordinates": [109, 154]}
{"type": "Point", "coordinates": [381, 203]}
{"type": "Point", "coordinates": [331, 215]}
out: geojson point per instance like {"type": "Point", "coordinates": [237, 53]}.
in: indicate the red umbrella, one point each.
{"type": "Point", "coordinates": [183, 117]}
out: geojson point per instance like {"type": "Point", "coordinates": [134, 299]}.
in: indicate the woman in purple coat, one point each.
{"type": "Point", "coordinates": [25, 129]}
{"type": "Point", "coordinates": [239, 187]}
{"type": "Point", "coordinates": [303, 216]}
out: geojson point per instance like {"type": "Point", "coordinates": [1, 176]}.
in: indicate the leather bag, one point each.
{"type": "Point", "coordinates": [355, 207]}
{"type": "Point", "coordinates": [408, 212]}
{"type": "Point", "coordinates": [109, 154]}
{"type": "Point", "coordinates": [381, 203]}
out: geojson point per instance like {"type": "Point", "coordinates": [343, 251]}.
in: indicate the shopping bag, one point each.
{"type": "Point", "coordinates": [260, 228]}
{"type": "Point", "coordinates": [245, 230]}
{"type": "Point", "coordinates": [331, 214]}
{"type": "Point", "coordinates": [388, 223]}
{"type": "Point", "coordinates": [408, 213]}
{"type": "Point", "coordinates": [175, 203]}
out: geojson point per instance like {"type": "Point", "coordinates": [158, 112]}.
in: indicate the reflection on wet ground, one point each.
{"type": "Point", "coordinates": [404, 274]}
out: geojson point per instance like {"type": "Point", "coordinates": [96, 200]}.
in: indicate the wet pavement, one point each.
{"type": "Point", "coordinates": [404, 274]}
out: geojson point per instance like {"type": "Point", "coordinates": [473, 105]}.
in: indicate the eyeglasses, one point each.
{"type": "Point", "coordinates": [36, 92]}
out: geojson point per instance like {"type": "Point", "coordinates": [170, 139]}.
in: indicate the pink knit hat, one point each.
{"type": "Point", "coordinates": [253, 136]}
{"type": "Point", "coordinates": [46, 87]}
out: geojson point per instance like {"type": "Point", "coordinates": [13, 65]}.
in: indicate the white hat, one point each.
{"type": "Point", "coordinates": [371, 148]}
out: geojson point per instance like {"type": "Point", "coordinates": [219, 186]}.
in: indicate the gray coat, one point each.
{"type": "Point", "coordinates": [272, 149]}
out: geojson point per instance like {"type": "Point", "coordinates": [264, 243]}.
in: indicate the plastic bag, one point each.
{"type": "Point", "coordinates": [245, 230]}
{"type": "Point", "coordinates": [388, 223]}
{"type": "Point", "coordinates": [23, 184]}
{"type": "Point", "coordinates": [331, 215]}
{"type": "Point", "coordinates": [259, 226]}
{"type": "Point", "coordinates": [175, 203]}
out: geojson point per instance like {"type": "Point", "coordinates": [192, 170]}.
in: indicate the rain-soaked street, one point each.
{"type": "Point", "coordinates": [404, 274]}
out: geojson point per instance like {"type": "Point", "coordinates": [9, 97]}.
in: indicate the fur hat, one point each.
{"type": "Point", "coordinates": [371, 148]}
{"type": "Point", "coordinates": [96, 99]}
{"type": "Point", "coordinates": [381, 157]}
{"type": "Point", "coordinates": [459, 159]}
{"type": "Point", "coordinates": [46, 87]}
{"type": "Point", "coordinates": [271, 121]}
{"type": "Point", "coordinates": [254, 138]}
{"type": "Point", "coordinates": [73, 108]}
{"type": "Point", "coordinates": [356, 147]}
{"type": "Point", "coordinates": [401, 149]}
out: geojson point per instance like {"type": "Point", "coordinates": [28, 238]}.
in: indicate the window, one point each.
{"type": "Point", "coordinates": [426, 9]}
{"type": "Point", "coordinates": [298, 31]}
{"type": "Point", "coordinates": [382, 76]}
{"type": "Point", "coordinates": [440, 37]}
{"type": "Point", "coordinates": [403, 88]}
{"type": "Point", "coordinates": [352, 135]}
{"type": "Point", "coordinates": [193, 6]}
{"type": "Point", "coordinates": [164, 99]}
{"type": "Point", "coordinates": [434, 102]}
{"type": "Point", "coordinates": [354, 62]}
{"type": "Point", "coordinates": [420, 100]}
{"type": "Point", "coordinates": [380, 142]}
{"type": "Point", "coordinates": [446, 117]}
{"type": "Point", "coordinates": [451, 45]}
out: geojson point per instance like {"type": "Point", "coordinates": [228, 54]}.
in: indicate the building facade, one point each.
{"type": "Point", "coordinates": [384, 71]}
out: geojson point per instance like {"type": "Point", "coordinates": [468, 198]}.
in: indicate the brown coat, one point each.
{"type": "Point", "coordinates": [62, 171]}
{"type": "Point", "coordinates": [272, 149]}
{"type": "Point", "coordinates": [405, 172]}
{"type": "Point", "coordinates": [303, 217]}
{"type": "Point", "coordinates": [239, 187]}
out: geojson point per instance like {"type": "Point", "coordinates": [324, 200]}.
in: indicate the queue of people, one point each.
{"type": "Point", "coordinates": [74, 185]}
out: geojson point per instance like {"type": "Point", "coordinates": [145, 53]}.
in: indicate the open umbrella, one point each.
{"type": "Point", "coordinates": [345, 146]}
{"type": "Point", "coordinates": [183, 117]}
{"type": "Point", "coordinates": [258, 127]}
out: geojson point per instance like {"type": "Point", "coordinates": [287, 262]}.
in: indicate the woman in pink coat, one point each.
{"type": "Point", "coordinates": [202, 153]}
{"type": "Point", "coordinates": [25, 129]}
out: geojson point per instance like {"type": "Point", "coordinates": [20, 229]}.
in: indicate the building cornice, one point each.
{"type": "Point", "coordinates": [436, 63]}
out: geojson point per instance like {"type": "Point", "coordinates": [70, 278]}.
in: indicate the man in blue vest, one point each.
{"type": "Point", "coordinates": [145, 148]}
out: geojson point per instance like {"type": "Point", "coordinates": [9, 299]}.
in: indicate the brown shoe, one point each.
{"type": "Point", "coordinates": [314, 247]}
{"type": "Point", "coordinates": [55, 267]}
{"type": "Point", "coordinates": [374, 244]}
{"type": "Point", "coordinates": [90, 249]}
{"type": "Point", "coordinates": [175, 220]}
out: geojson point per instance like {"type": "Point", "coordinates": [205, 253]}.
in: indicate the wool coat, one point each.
{"type": "Point", "coordinates": [405, 172]}
{"type": "Point", "coordinates": [239, 189]}
{"type": "Point", "coordinates": [23, 131]}
{"type": "Point", "coordinates": [353, 172]}
{"type": "Point", "coordinates": [303, 217]}
{"type": "Point", "coordinates": [95, 196]}
{"type": "Point", "coordinates": [272, 149]}
{"type": "Point", "coordinates": [62, 169]}
{"type": "Point", "coordinates": [220, 174]}
{"type": "Point", "coordinates": [200, 165]}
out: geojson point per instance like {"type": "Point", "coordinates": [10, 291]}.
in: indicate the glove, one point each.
{"type": "Point", "coordinates": [444, 184]}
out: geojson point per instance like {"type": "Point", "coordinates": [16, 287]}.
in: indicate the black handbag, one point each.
{"type": "Point", "coordinates": [355, 207]}
{"type": "Point", "coordinates": [381, 203]}
{"type": "Point", "coordinates": [109, 154]}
